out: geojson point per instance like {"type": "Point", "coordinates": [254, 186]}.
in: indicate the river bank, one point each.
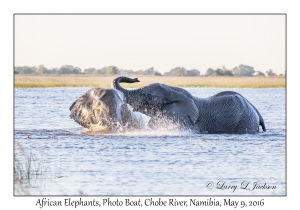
{"type": "Point", "coordinates": [30, 81]}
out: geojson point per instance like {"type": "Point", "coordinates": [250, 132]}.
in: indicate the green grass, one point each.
{"type": "Point", "coordinates": [30, 171]}
{"type": "Point", "coordinates": [27, 166]}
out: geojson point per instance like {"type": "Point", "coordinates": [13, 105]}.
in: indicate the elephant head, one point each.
{"type": "Point", "coordinates": [99, 107]}
{"type": "Point", "coordinates": [161, 101]}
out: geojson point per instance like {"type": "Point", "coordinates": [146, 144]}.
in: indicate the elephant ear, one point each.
{"type": "Point", "coordinates": [84, 108]}
{"type": "Point", "coordinates": [180, 106]}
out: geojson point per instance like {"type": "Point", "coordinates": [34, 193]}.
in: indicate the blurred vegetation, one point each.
{"type": "Point", "coordinates": [238, 71]}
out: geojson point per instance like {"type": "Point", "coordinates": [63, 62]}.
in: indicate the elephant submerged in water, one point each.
{"type": "Point", "coordinates": [225, 112]}
{"type": "Point", "coordinates": [105, 109]}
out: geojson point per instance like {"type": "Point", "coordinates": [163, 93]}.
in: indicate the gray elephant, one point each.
{"type": "Point", "coordinates": [225, 112]}
{"type": "Point", "coordinates": [105, 108]}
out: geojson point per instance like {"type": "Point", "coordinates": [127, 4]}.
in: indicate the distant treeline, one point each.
{"type": "Point", "coordinates": [241, 70]}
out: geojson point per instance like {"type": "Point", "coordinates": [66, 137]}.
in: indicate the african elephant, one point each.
{"type": "Point", "coordinates": [225, 112]}
{"type": "Point", "coordinates": [105, 108]}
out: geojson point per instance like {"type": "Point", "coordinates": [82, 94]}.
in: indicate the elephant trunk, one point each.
{"type": "Point", "coordinates": [116, 123]}
{"type": "Point", "coordinates": [116, 83]}
{"type": "Point", "coordinates": [128, 93]}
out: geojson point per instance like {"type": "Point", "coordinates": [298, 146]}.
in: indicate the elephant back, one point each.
{"type": "Point", "coordinates": [231, 112]}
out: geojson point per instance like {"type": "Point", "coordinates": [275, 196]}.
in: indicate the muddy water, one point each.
{"type": "Point", "coordinates": [65, 162]}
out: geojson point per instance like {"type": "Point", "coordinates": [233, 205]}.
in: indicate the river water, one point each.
{"type": "Point", "coordinates": [52, 157]}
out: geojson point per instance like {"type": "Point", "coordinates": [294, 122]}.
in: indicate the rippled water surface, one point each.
{"type": "Point", "coordinates": [62, 161]}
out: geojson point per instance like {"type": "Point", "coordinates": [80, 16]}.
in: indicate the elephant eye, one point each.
{"type": "Point", "coordinates": [149, 97]}
{"type": "Point", "coordinates": [123, 107]}
{"type": "Point", "coordinates": [167, 103]}
{"type": "Point", "coordinates": [96, 103]}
